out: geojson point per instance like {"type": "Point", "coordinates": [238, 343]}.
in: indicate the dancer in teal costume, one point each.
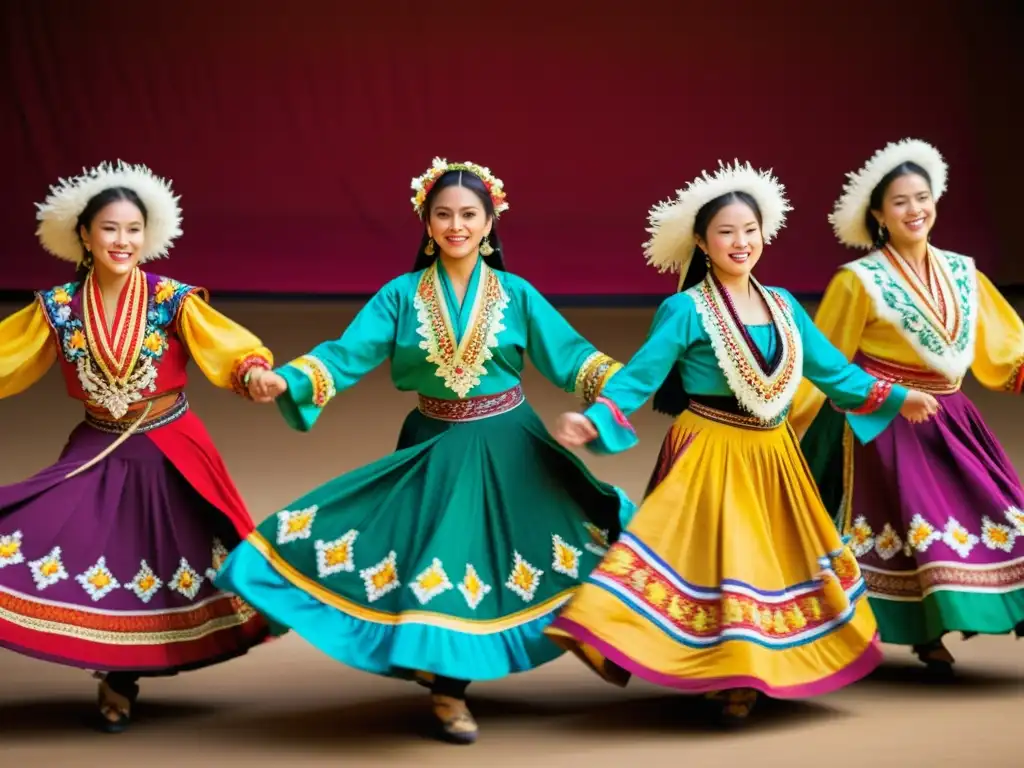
{"type": "Point", "coordinates": [445, 561]}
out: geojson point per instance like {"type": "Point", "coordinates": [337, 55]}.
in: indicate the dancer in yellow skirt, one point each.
{"type": "Point", "coordinates": [731, 578]}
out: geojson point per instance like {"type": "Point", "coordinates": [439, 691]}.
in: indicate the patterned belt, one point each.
{"type": "Point", "coordinates": [912, 378]}
{"type": "Point", "coordinates": [471, 408]}
{"type": "Point", "coordinates": [727, 410]}
{"type": "Point", "coordinates": [173, 412]}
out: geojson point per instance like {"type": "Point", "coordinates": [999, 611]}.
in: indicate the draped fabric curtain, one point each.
{"type": "Point", "coordinates": [292, 130]}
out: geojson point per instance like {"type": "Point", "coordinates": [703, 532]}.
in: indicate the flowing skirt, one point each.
{"type": "Point", "coordinates": [110, 570]}
{"type": "Point", "coordinates": [448, 557]}
{"type": "Point", "coordinates": [935, 515]}
{"type": "Point", "coordinates": [730, 575]}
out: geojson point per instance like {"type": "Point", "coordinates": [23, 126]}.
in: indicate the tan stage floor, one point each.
{"type": "Point", "coordinates": [287, 704]}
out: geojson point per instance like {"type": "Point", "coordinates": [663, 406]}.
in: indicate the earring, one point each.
{"type": "Point", "coordinates": [429, 248]}
{"type": "Point", "coordinates": [707, 260]}
{"type": "Point", "coordinates": [87, 260]}
{"type": "Point", "coordinates": [485, 248]}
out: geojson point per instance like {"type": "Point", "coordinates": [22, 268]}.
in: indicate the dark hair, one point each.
{"type": "Point", "coordinates": [878, 195]}
{"type": "Point", "coordinates": [97, 203]}
{"type": "Point", "coordinates": [473, 183]}
{"type": "Point", "coordinates": [671, 397]}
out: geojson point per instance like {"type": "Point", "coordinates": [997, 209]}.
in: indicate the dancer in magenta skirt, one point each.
{"type": "Point", "coordinates": [106, 556]}
{"type": "Point", "coordinates": [935, 510]}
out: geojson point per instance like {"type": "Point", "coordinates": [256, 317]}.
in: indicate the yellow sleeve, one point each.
{"type": "Point", "coordinates": [842, 316]}
{"type": "Point", "coordinates": [224, 351]}
{"type": "Point", "coordinates": [999, 348]}
{"type": "Point", "coordinates": [27, 349]}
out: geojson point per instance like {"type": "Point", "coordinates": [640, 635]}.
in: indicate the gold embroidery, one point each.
{"type": "Point", "coordinates": [592, 376]}
{"type": "Point", "coordinates": [460, 364]}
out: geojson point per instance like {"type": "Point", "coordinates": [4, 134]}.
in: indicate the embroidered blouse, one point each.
{"type": "Point", "coordinates": [142, 354]}
{"type": "Point", "coordinates": [760, 365]}
{"type": "Point", "coordinates": [878, 307]}
{"type": "Point", "coordinates": [441, 349]}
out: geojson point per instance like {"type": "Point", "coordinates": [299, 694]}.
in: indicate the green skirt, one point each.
{"type": "Point", "coordinates": [449, 557]}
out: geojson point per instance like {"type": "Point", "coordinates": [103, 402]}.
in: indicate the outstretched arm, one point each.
{"type": "Point", "coordinates": [225, 352]}
{"type": "Point", "coordinates": [672, 331]}
{"type": "Point", "coordinates": [561, 354]}
{"type": "Point", "coordinates": [27, 349]}
{"type": "Point", "coordinates": [870, 404]}
{"type": "Point", "coordinates": [331, 367]}
{"type": "Point", "coordinates": [999, 349]}
{"type": "Point", "coordinates": [841, 318]}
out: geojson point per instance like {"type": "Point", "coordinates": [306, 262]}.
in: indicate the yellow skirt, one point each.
{"type": "Point", "coordinates": [731, 574]}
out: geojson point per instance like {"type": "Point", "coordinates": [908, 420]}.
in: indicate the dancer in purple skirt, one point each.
{"type": "Point", "coordinates": [106, 556]}
{"type": "Point", "coordinates": [935, 510]}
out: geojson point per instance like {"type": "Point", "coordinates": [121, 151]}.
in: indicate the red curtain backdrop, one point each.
{"type": "Point", "coordinates": [292, 129]}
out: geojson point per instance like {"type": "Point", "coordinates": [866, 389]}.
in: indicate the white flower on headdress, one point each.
{"type": "Point", "coordinates": [422, 184]}
{"type": "Point", "coordinates": [58, 215]}
{"type": "Point", "coordinates": [847, 217]}
{"type": "Point", "coordinates": [671, 222]}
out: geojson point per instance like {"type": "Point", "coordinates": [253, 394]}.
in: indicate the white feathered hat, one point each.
{"type": "Point", "coordinates": [847, 217]}
{"type": "Point", "coordinates": [58, 215]}
{"type": "Point", "coordinates": [671, 222]}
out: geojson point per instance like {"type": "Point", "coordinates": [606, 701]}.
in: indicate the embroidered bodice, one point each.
{"type": "Point", "coordinates": [137, 356]}
{"type": "Point", "coordinates": [442, 348]}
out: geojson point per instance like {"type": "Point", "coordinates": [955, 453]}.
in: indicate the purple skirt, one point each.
{"type": "Point", "coordinates": [111, 569]}
{"type": "Point", "coordinates": [936, 516]}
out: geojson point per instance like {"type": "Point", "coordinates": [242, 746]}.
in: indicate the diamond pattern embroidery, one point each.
{"type": "Point", "coordinates": [381, 578]}
{"type": "Point", "coordinates": [565, 557]}
{"type": "Point", "coordinates": [10, 549]}
{"type": "Point", "coordinates": [48, 570]}
{"type": "Point", "coordinates": [145, 584]}
{"type": "Point", "coordinates": [473, 587]}
{"type": "Point", "coordinates": [98, 581]}
{"type": "Point", "coordinates": [295, 525]}
{"type": "Point", "coordinates": [862, 539]}
{"type": "Point", "coordinates": [958, 538]}
{"type": "Point", "coordinates": [431, 582]}
{"type": "Point", "coordinates": [997, 536]}
{"type": "Point", "coordinates": [186, 581]}
{"type": "Point", "coordinates": [336, 556]}
{"type": "Point", "coordinates": [888, 543]}
{"type": "Point", "coordinates": [524, 578]}
{"type": "Point", "coordinates": [922, 534]}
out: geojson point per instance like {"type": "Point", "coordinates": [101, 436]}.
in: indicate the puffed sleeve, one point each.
{"type": "Point", "coordinates": [999, 348]}
{"type": "Point", "coordinates": [27, 349]}
{"type": "Point", "coordinates": [841, 318]}
{"type": "Point", "coordinates": [224, 351]}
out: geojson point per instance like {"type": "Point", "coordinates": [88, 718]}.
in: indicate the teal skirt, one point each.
{"type": "Point", "coordinates": [449, 557]}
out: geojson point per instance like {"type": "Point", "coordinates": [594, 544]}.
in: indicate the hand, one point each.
{"type": "Point", "coordinates": [573, 430]}
{"type": "Point", "coordinates": [266, 386]}
{"type": "Point", "coordinates": [919, 407]}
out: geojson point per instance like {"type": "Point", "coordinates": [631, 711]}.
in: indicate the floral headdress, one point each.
{"type": "Point", "coordinates": [58, 215]}
{"type": "Point", "coordinates": [423, 184]}
{"type": "Point", "coordinates": [848, 215]}
{"type": "Point", "coordinates": [671, 222]}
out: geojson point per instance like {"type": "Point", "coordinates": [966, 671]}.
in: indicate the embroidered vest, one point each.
{"type": "Point", "coordinates": [140, 358]}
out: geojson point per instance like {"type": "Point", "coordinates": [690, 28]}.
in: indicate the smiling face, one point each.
{"type": "Point", "coordinates": [115, 237]}
{"type": "Point", "coordinates": [733, 240]}
{"type": "Point", "coordinates": [908, 211]}
{"type": "Point", "coordinates": [458, 222]}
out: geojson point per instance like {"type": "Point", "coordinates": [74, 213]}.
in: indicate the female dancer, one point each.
{"type": "Point", "coordinates": [934, 510]}
{"type": "Point", "coordinates": [105, 556]}
{"type": "Point", "coordinates": [446, 560]}
{"type": "Point", "coordinates": [730, 579]}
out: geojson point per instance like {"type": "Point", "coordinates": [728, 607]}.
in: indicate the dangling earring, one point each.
{"type": "Point", "coordinates": [87, 260]}
{"type": "Point", "coordinates": [485, 247]}
{"type": "Point", "coordinates": [429, 248]}
{"type": "Point", "coordinates": [707, 260]}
